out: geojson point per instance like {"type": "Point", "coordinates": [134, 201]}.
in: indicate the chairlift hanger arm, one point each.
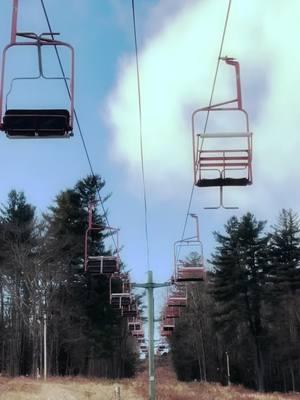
{"type": "Point", "coordinates": [221, 203]}
{"type": "Point", "coordinates": [152, 285]}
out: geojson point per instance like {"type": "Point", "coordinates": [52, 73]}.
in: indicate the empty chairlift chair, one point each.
{"type": "Point", "coordinates": [129, 311]}
{"type": "Point", "coordinates": [190, 270]}
{"type": "Point", "coordinates": [122, 298]}
{"type": "Point", "coordinates": [164, 333]}
{"type": "Point", "coordinates": [144, 348]}
{"type": "Point", "coordinates": [138, 333]}
{"type": "Point", "coordinates": [168, 325]}
{"type": "Point", "coordinates": [178, 297]}
{"type": "Point", "coordinates": [223, 158]}
{"type": "Point", "coordinates": [134, 326]}
{"type": "Point", "coordinates": [190, 273]}
{"type": "Point", "coordinates": [172, 312]}
{"type": "Point", "coordinates": [99, 264]}
{"type": "Point", "coordinates": [20, 123]}
{"type": "Point", "coordinates": [162, 347]}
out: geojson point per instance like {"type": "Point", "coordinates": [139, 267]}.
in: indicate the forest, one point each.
{"type": "Point", "coordinates": [247, 309]}
{"type": "Point", "coordinates": [42, 275]}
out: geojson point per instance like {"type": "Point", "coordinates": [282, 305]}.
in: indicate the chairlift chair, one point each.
{"type": "Point", "coordinates": [123, 296]}
{"type": "Point", "coordinates": [36, 123]}
{"type": "Point", "coordinates": [216, 166]}
{"type": "Point", "coordinates": [134, 326]}
{"type": "Point", "coordinates": [144, 348]}
{"type": "Point", "coordinates": [161, 347]}
{"type": "Point", "coordinates": [178, 297]}
{"type": "Point", "coordinates": [138, 333]}
{"type": "Point", "coordinates": [168, 324]}
{"type": "Point", "coordinates": [185, 271]}
{"type": "Point", "coordinates": [166, 333]}
{"type": "Point", "coordinates": [120, 300]}
{"type": "Point", "coordinates": [129, 311]}
{"type": "Point", "coordinates": [99, 264]}
{"type": "Point", "coordinates": [172, 312]}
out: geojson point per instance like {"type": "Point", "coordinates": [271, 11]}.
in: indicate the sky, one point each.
{"type": "Point", "coordinates": [178, 49]}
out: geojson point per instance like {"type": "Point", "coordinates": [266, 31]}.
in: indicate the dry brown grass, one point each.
{"type": "Point", "coordinates": [168, 388]}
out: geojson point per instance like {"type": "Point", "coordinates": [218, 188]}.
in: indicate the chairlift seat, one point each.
{"type": "Point", "coordinates": [164, 333]}
{"type": "Point", "coordinates": [134, 326]}
{"type": "Point", "coordinates": [115, 302]}
{"type": "Point", "coordinates": [172, 312]}
{"type": "Point", "coordinates": [138, 333]}
{"type": "Point", "coordinates": [102, 265]}
{"type": "Point", "coordinates": [49, 123]}
{"type": "Point", "coordinates": [168, 328]}
{"type": "Point", "coordinates": [122, 299]}
{"type": "Point", "coordinates": [190, 274]}
{"type": "Point", "coordinates": [223, 182]}
{"type": "Point", "coordinates": [177, 302]}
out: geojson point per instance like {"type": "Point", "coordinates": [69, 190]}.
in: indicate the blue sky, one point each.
{"type": "Point", "coordinates": [178, 43]}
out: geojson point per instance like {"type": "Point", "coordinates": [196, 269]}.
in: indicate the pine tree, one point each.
{"type": "Point", "coordinates": [238, 285]}
{"type": "Point", "coordinates": [284, 289]}
{"type": "Point", "coordinates": [285, 254]}
{"type": "Point", "coordinates": [89, 335]}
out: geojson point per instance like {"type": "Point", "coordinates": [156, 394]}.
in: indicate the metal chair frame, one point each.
{"type": "Point", "coordinates": [179, 269]}
{"type": "Point", "coordinates": [220, 160]}
{"type": "Point", "coordinates": [39, 41]}
{"type": "Point", "coordinates": [93, 227]}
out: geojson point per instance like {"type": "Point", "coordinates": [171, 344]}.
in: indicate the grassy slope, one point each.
{"type": "Point", "coordinates": [168, 389]}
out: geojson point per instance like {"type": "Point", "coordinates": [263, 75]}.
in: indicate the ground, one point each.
{"type": "Point", "coordinates": [168, 388]}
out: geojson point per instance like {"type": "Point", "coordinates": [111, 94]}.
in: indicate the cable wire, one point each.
{"type": "Point", "coordinates": [78, 125]}
{"type": "Point", "coordinates": [141, 131]}
{"type": "Point", "coordinates": [207, 116]}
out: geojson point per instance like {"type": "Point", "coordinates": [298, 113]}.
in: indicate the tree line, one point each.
{"type": "Point", "coordinates": [41, 264]}
{"type": "Point", "coordinates": [248, 309]}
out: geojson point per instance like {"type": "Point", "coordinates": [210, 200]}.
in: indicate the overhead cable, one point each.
{"type": "Point", "coordinates": [207, 116]}
{"type": "Point", "coordinates": [141, 132]}
{"type": "Point", "coordinates": [79, 126]}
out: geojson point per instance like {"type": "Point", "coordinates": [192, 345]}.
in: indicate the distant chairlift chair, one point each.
{"type": "Point", "coordinates": [99, 264]}
{"type": "Point", "coordinates": [134, 326]}
{"type": "Point", "coordinates": [178, 297]}
{"type": "Point", "coordinates": [193, 271]}
{"type": "Point", "coordinates": [123, 299]}
{"type": "Point", "coordinates": [168, 325]}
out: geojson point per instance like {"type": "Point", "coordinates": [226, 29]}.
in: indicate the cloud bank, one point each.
{"type": "Point", "coordinates": [177, 64]}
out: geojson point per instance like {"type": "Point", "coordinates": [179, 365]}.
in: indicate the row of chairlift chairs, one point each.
{"type": "Point", "coordinates": [220, 159]}
{"type": "Point", "coordinates": [185, 273]}
{"type": "Point", "coordinates": [121, 297]}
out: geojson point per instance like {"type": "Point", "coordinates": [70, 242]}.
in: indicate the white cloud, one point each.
{"type": "Point", "coordinates": [177, 64]}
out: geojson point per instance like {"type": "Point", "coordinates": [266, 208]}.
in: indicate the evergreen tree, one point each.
{"type": "Point", "coordinates": [284, 289]}
{"type": "Point", "coordinates": [284, 271]}
{"type": "Point", "coordinates": [90, 334]}
{"type": "Point", "coordinates": [238, 286]}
